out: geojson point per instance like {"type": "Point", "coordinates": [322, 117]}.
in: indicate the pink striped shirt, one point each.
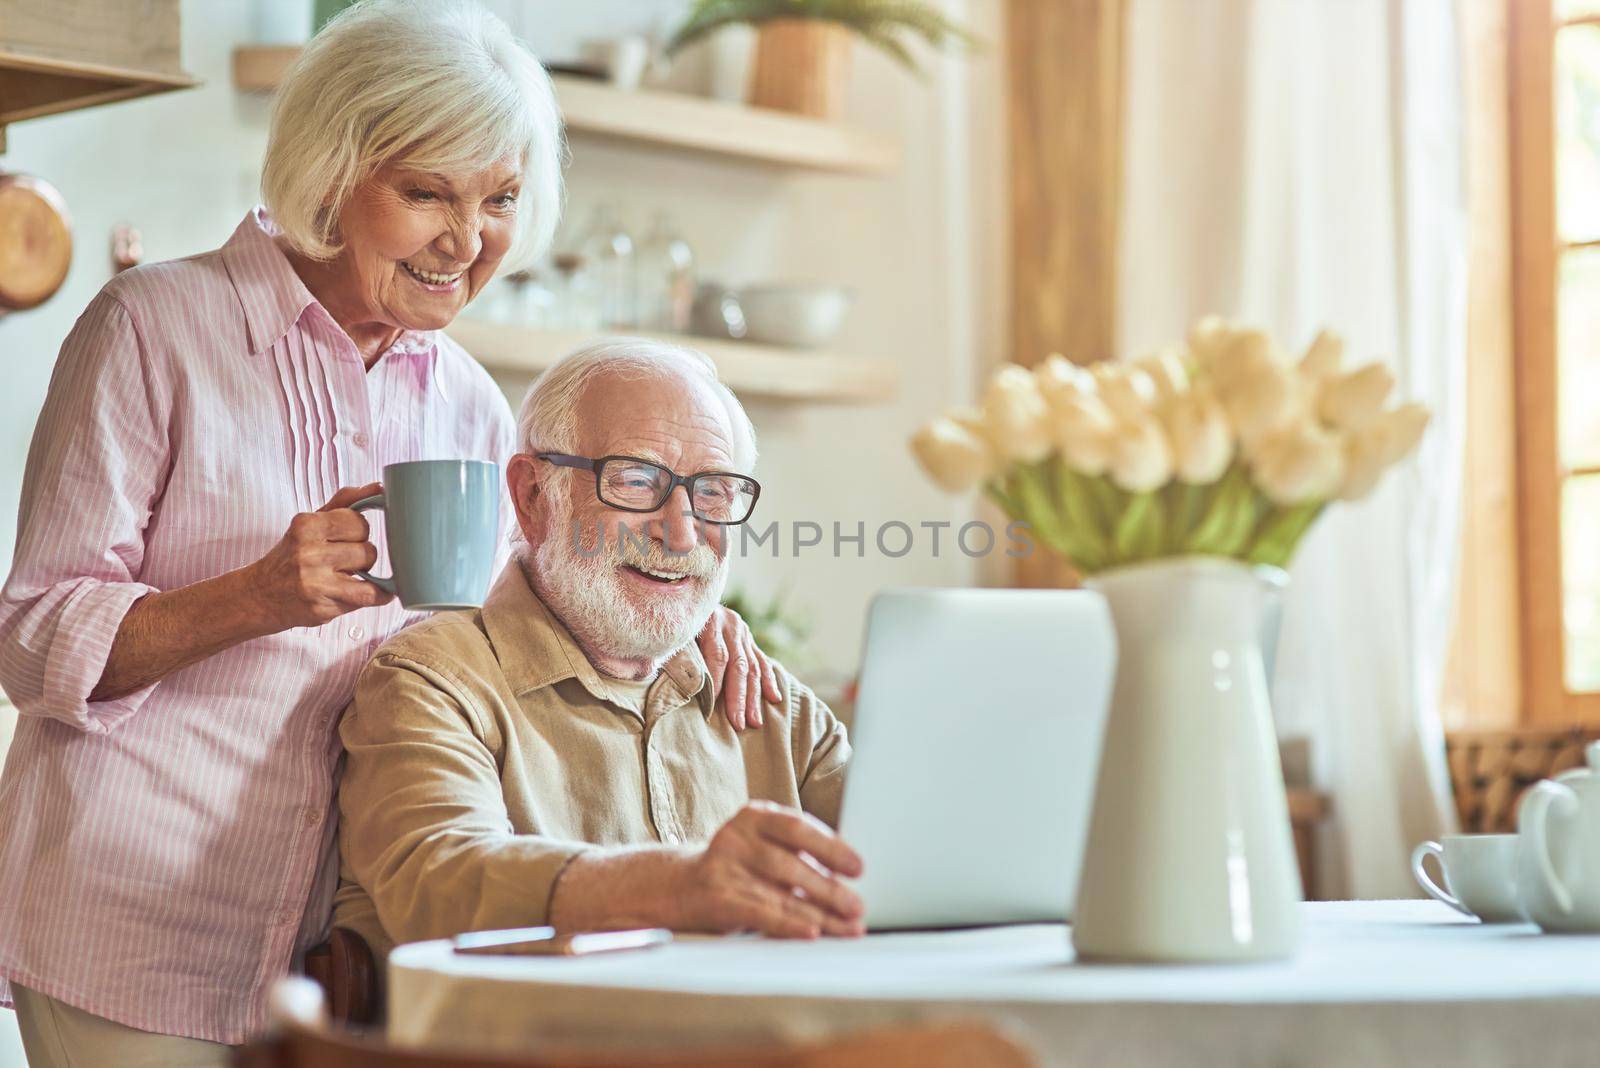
{"type": "Point", "coordinates": [164, 855]}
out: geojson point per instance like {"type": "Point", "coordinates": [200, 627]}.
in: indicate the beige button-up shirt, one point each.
{"type": "Point", "coordinates": [484, 752]}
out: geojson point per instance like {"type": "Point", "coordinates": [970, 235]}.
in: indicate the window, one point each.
{"type": "Point", "coordinates": [1555, 139]}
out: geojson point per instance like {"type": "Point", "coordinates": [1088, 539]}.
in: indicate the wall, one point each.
{"type": "Point", "coordinates": [921, 248]}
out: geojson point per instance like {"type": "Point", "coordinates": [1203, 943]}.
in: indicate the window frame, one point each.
{"type": "Point", "coordinates": [1537, 251]}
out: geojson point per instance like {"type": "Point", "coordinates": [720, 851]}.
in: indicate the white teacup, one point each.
{"type": "Point", "coordinates": [1480, 875]}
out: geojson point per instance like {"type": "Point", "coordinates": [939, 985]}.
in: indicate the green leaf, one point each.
{"type": "Point", "coordinates": [1109, 500]}
{"type": "Point", "coordinates": [886, 41]}
{"type": "Point", "coordinates": [1280, 532]}
{"type": "Point", "coordinates": [1228, 523]}
{"type": "Point", "coordinates": [1075, 500]}
{"type": "Point", "coordinates": [1185, 506]}
{"type": "Point", "coordinates": [1033, 499]}
{"type": "Point", "coordinates": [1141, 530]}
{"type": "Point", "coordinates": [881, 23]}
{"type": "Point", "coordinates": [1033, 493]}
{"type": "Point", "coordinates": [995, 490]}
{"type": "Point", "coordinates": [708, 16]}
{"type": "Point", "coordinates": [779, 629]}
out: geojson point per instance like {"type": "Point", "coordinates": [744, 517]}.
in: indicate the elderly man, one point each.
{"type": "Point", "coordinates": [552, 758]}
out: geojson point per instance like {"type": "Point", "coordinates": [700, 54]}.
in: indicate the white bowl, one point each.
{"type": "Point", "coordinates": [798, 316]}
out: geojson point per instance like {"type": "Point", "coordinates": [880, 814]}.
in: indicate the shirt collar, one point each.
{"type": "Point", "coordinates": [536, 650]}
{"type": "Point", "coordinates": [274, 298]}
{"type": "Point", "coordinates": [270, 292]}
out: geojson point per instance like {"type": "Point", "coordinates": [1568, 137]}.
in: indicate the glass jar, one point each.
{"type": "Point", "coordinates": [576, 303]}
{"type": "Point", "coordinates": [609, 250]}
{"type": "Point", "coordinates": [666, 278]}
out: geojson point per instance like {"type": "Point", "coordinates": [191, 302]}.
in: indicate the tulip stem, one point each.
{"type": "Point", "coordinates": [1095, 525]}
{"type": "Point", "coordinates": [1140, 532]}
{"type": "Point", "coordinates": [993, 491]}
{"type": "Point", "coordinates": [1185, 505]}
{"type": "Point", "coordinates": [1079, 514]}
{"type": "Point", "coordinates": [1109, 500]}
{"type": "Point", "coordinates": [1230, 519]}
{"type": "Point", "coordinates": [1040, 509]}
{"type": "Point", "coordinates": [1281, 531]}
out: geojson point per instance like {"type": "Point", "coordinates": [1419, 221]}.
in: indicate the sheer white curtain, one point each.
{"type": "Point", "coordinates": [1299, 163]}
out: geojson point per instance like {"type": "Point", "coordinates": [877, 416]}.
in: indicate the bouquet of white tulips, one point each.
{"type": "Point", "coordinates": [1221, 447]}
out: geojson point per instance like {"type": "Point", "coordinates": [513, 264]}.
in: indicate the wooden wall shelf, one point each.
{"type": "Point", "coordinates": [676, 120]}
{"type": "Point", "coordinates": [750, 370]}
{"type": "Point", "coordinates": [31, 88]}
{"type": "Point", "coordinates": [666, 120]}
{"type": "Point", "coordinates": [64, 56]}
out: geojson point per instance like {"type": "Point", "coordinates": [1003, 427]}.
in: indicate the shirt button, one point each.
{"type": "Point", "coordinates": [311, 816]}
{"type": "Point", "coordinates": [360, 439]}
{"type": "Point", "coordinates": [356, 634]}
{"type": "Point", "coordinates": [284, 917]}
{"type": "Point", "coordinates": [673, 837]}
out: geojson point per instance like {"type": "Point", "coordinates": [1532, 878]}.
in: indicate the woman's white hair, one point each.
{"type": "Point", "coordinates": [439, 85]}
{"type": "Point", "coordinates": [548, 421]}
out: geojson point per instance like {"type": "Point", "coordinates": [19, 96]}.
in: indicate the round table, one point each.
{"type": "Point", "coordinates": [1380, 982]}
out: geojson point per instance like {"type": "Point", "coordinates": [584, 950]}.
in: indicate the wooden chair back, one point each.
{"type": "Point", "coordinates": [1489, 770]}
{"type": "Point", "coordinates": [347, 972]}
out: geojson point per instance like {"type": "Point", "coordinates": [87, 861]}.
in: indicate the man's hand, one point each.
{"type": "Point", "coordinates": [770, 869]}
{"type": "Point", "coordinates": [777, 871]}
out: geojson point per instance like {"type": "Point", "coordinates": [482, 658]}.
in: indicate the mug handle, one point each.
{"type": "Point", "coordinates": [1421, 853]}
{"type": "Point", "coordinates": [363, 505]}
{"type": "Point", "coordinates": [1532, 818]}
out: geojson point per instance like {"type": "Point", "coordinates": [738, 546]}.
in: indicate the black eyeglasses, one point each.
{"type": "Point", "coordinates": [630, 484]}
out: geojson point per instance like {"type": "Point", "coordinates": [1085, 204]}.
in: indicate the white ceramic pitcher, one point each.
{"type": "Point", "coordinates": [1190, 854]}
{"type": "Point", "coordinates": [1558, 853]}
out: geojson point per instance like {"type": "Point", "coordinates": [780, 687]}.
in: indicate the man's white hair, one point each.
{"type": "Point", "coordinates": [439, 85]}
{"type": "Point", "coordinates": [549, 418]}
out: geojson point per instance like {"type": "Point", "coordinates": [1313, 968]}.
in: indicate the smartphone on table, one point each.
{"type": "Point", "coordinates": [547, 942]}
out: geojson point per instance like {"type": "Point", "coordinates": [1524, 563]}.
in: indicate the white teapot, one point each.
{"type": "Point", "coordinates": [1558, 849]}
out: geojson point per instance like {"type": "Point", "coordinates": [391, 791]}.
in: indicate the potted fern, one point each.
{"type": "Point", "coordinates": [802, 61]}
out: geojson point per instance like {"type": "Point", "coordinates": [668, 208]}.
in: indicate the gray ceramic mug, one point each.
{"type": "Point", "coordinates": [443, 523]}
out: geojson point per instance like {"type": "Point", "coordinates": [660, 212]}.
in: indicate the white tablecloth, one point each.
{"type": "Point", "coordinates": [1384, 982]}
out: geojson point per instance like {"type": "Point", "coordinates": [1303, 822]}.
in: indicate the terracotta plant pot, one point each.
{"type": "Point", "coordinates": [802, 65]}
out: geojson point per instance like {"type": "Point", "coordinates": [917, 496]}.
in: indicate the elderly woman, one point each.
{"type": "Point", "coordinates": [181, 627]}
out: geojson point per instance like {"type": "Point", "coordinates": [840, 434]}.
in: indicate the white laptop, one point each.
{"type": "Point", "coordinates": [977, 736]}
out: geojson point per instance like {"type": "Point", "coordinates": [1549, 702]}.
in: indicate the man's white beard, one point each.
{"type": "Point", "coordinates": [587, 594]}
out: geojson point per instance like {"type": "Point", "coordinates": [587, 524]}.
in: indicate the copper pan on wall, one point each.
{"type": "Point", "coordinates": [35, 242]}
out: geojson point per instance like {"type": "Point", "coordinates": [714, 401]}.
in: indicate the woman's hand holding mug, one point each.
{"type": "Point", "coordinates": [308, 577]}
